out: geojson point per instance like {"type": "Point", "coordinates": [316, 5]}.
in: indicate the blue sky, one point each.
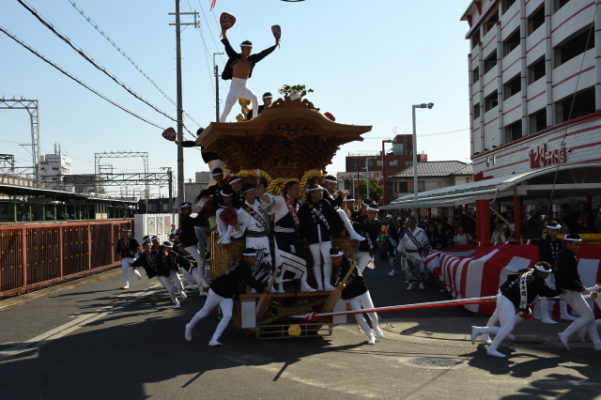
{"type": "Point", "coordinates": [367, 61]}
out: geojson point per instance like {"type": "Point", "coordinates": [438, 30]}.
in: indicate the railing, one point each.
{"type": "Point", "coordinates": [37, 255]}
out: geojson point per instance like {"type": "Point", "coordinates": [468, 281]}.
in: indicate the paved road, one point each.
{"type": "Point", "coordinates": [91, 340]}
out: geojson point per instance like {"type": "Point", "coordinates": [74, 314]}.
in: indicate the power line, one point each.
{"type": "Point", "coordinates": [425, 134]}
{"type": "Point", "coordinates": [82, 53]}
{"type": "Point", "coordinates": [36, 53]}
{"type": "Point", "coordinates": [122, 52]}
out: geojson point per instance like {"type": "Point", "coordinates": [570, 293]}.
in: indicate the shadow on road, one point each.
{"type": "Point", "coordinates": [99, 363]}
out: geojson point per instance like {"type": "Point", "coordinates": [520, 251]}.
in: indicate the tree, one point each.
{"type": "Point", "coordinates": [376, 190]}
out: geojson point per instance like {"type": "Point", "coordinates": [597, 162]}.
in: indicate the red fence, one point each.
{"type": "Point", "coordinates": [36, 255]}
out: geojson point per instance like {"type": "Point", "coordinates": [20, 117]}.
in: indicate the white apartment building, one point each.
{"type": "Point", "coordinates": [53, 167]}
{"type": "Point", "coordinates": [534, 74]}
{"type": "Point", "coordinates": [535, 115]}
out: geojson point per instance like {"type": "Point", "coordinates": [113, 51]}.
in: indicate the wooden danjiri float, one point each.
{"type": "Point", "coordinates": [290, 140]}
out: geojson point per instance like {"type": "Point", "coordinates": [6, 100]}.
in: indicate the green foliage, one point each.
{"type": "Point", "coordinates": [376, 191]}
{"type": "Point", "coordinates": [294, 90]}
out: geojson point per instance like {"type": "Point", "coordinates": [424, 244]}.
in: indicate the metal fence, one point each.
{"type": "Point", "coordinates": [36, 255]}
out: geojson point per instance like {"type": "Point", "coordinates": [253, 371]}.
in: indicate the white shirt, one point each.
{"type": "Point", "coordinates": [278, 207]}
{"type": "Point", "coordinates": [461, 239]}
{"type": "Point", "coordinates": [406, 244]}
{"type": "Point", "coordinates": [248, 222]}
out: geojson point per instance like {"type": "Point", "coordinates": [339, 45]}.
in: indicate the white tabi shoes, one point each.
{"type": "Point", "coordinates": [495, 353]}
{"type": "Point", "coordinates": [371, 340]}
{"type": "Point", "coordinates": [549, 321]}
{"type": "Point", "coordinates": [564, 340]}
{"type": "Point", "coordinates": [188, 333]}
{"type": "Point", "coordinates": [215, 343]}
{"type": "Point", "coordinates": [379, 332]}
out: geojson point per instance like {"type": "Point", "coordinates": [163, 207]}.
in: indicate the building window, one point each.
{"type": "Point", "coordinates": [403, 187]}
{"type": "Point", "coordinates": [536, 19]}
{"type": "Point", "coordinates": [513, 131]}
{"type": "Point", "coordinates": [557, 4]}
{"type": "Point", "coordinates": [536, 70]}
{"type": "Point", "coordinates": [491, 101]}
{"type": "Point", "coordinates": [421, 186]}
{"type": "Point", "coordinates": [576, 44]}
{"type": "Point", "coordinates": [476, 110]}
{"type": "Point", "coordinates": [393, 163]}
{"type": "Point", "coordinates": [576, 105]}
{"type": "Point", "coordinates": [505, 5]}
{"type": "Point", "coordinates": [475, 75]}
{"type": "Point", "coordinates": [513, 86]}
{"type": "Point", "coordinates": [538, 121]}
{"type": "Point", "coordinates": [511, 42]}
{"type": "Point", "coordinates": [490, 22]}
{"type": "Point", "coordinates": [490, 61]}
{"type": "Point", "coordinates": [475, 38]}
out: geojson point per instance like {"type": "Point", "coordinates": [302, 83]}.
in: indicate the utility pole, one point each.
{"type": "Point", "coordinates": [180, 110]}
{"type": "Point", "coordinates": [216, 71]}
{"type": "Point", "coordinates": [367, 177]}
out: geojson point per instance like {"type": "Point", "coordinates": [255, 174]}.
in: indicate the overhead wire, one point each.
{"type": "Point", "coordinates": [69, 75]}
{"type": "Point", "coordinates": [126, 56]}
{"type": "Point", "coordinates": [88, 58]}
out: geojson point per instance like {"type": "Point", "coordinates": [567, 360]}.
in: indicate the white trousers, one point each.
{"type": "Point", "coordinates": [507, 317]}
{"type": "Point", "coordinates": [125, 266]}
{"type": "Point", "coordinates": [346, 222]}
{"type": "Point", "coordinates": [586, 317]}
{"type": "Point", "coordinates": [362, 302]}
{"type": "Point", "coordinates": [363, 258]}
{"type": "Point", "coordinates": [238, 89]}
{"type": "Point", "coordinates": [317, 251]}
{"type": "Point", "coordinates": [198, 272]}
{"type": "Point", "coordinates": [213, 300]}
{"type": "Point", "coordinates": [172, 284]}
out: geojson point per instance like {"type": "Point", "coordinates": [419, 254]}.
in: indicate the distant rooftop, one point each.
{"type": "Point", "coordinates": [437, 168]}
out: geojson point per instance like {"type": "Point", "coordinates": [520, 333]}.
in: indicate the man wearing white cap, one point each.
{"type": "Point", "coordinates": [356, 293]}
{"type": "Point", "coordinates": [370, 228]}
{"type": "Point", "coordinates": [239, 69]}
{"type": "Point", "coordinates": [254, 226]}
{"type": "Point", "coordinates": [128, 249]}
{"type": "Point", "coordinates": [317, 222]}
{"type": "Point", "coordinates": [221, 294]}
{"type": "Point", "coordinates": [167, 268]}
{"type": "Point", "coordinates": [189, 240]}
{"type": "Point", "coordinates": [549, 251]}
{"type": "Point", "coordinates": [330, 183]}
{"type": "Point", "coordinates": [413, 246]}
{"type": "Point", "coordinates": [567, 278]}
{"type": "Point", "coordinates": [516, 295]}
{"type": "Point", "coordinates": [289, 249]}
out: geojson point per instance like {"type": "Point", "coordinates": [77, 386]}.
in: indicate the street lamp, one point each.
{"type": "Point", "coordinates": [413, 107]}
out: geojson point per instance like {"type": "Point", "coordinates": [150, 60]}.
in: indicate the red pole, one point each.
{"type": "Point", "coordinates": [483, 231]}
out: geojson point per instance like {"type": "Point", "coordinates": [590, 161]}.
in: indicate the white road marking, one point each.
{"type": "Point", "coordinates": [63, 330]}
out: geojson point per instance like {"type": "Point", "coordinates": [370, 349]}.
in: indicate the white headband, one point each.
{"type": "Point", "coordinates": [225, 194]}
{"type": "Point", "coordinates": [235, 180]}
{"type": "Point", "coordinates": [217, 173]}
{"type": "Point", "coordinates": [339, 254]}
{"type": "Point", "coordinates": [330, 180]}
{"type": "Point", "coordinates": [553, 226]}
{"type": "Point", "coordinates": [253, 254]}
{"type": "Point", "coordinates": [369, 208]}
{"type": "Point", "coordinates": [315, 189]}
{"type": "Point", "coordinates": [248, 190]}
{"type": "Point", "coordinates": [542, 268]}
{"type": "Point", "coordinates": [567, 239]}
{"type": "Point", "coordinates": [353, 200]}
{"type": "Point", "coordinates": [246, 45]}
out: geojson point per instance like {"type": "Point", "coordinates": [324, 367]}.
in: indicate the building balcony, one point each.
{"type": "Point", "coordinates": [568, 74]}
{"type": "Point", "coordinates": [570, 18]}
{"type": "Point", "coordinates": [535, 45]}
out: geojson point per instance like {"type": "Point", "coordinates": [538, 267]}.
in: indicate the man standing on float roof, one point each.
{"type": "Point", "coordinates": [239, 69]}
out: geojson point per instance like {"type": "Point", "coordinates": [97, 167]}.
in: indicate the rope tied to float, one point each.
{"type": "Point", "coordinates": [403, 307]}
